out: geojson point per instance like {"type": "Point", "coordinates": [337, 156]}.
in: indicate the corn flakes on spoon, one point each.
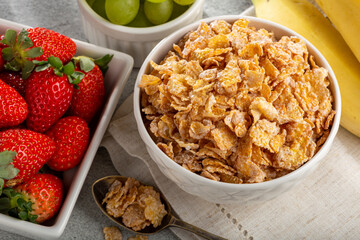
{"type": "Point", "coordinates": [101, 187]}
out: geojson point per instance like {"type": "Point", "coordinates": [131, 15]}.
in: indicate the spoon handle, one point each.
{"type": "Point", "coordinates": [175, 222]}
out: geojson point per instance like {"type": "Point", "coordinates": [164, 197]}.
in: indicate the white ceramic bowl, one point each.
{"type": "Point", "coordinates": [221, 192]}
{"type": "Point", "coordinates": [115, 79]}
{"type": "Point", "coordinates": [137, 42]}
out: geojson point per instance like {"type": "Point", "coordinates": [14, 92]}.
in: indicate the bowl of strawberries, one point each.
{"type": "Point", "coordinates": [57, 96]}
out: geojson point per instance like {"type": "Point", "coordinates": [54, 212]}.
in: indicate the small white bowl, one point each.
{"type": "Point", "coordinates": [221, 192]}
{"type": "Point", "coordinates": [137, 42]}
{"type": "Point", "coordinates": [115, 79]}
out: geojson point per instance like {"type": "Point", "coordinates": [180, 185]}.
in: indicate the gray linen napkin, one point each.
{"type": "Point", "coordinates": [324, 206]}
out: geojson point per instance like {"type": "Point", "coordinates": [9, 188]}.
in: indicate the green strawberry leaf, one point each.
{"type": "Point", "coordinates": [39, 63]}
{"type": "Point", "coordinates": [2, 183]}
{"type": "Point", "coordinates": [32, 217]}
{"type": "Point", "coordinates": [58, 72]}
{"type": "Point", "coordinates": [23, 39]}
{"type": "Point", "coordinates": [27, 69]}
{"type": "Point", "coordinates": [69, 69]}
{"type": "Point", "coordinates": [34, 52]}
{"type": "Point", "coordinates": [8, 192]}
{"type": "Point", "coordinates": [76, 77]}
{"type": "Point", "coordinates": [26, 43]}
{"type": "Point", "coordinates": [55, 62]}
{"type": "Point", "coordinates": [7, 157]}
{"type": "Point", "coordinates": [23, 215]}
{"type": "Point", "coordinates": [103, 62]}
{"type": "Point", "coordinates": [42, 67]}
{"type": "Point", "coordinates": [7, 170]}
{"type": "Point", "coordinates": [86, 64]}
{"type": "Point", "coordinates": [12, 65]}
{"type": "Point", "coordinates": [9, 37]}
{"type": "Point", "coordinates": [7, 53]}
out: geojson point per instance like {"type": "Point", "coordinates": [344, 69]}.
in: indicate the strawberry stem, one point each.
{"type": "Point", "coordinates": [19, 53]}
{"type": "Point", "coordinates": [13, 204]}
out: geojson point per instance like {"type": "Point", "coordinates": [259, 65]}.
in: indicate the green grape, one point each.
{"type": "Point", "coordinates": [140, 19]}
{"type": "Point", "coordinates": [158, 13]}
{"type": "Point", "coordinates": [184, 2]}
{"type": "Point", "coordinates": [99, 7]}
{"type": "Point", "coordinates": [178, 10]}
{"type": "Point", "coordinates": [121, 12]}
{"type": "Point", "coordinates": [90, 2]}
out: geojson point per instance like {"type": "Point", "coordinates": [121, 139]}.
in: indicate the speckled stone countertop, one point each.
{"type": "Point", "coordinates": [86, 220]}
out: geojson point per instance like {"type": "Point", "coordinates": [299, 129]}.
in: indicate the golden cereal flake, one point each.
{"type": "Point", "coordinates": [293, 156]}
{"type": "Point", "coordinates": [134, 217]}
{"type": "Point", "coordinates": [154, 210]}
{"type": "Point", "coordinates": [260, 107]}
{"type": "Point", "coordinates": [138, 206]}
{"type": "Point", "coordinates": [288, 107]}
{"type": "Point", "coordinates": [212, 176]}
{"type": "Point", "coordinates": [267, 135]}
{"type": "Point", "coordinates": [198, 130]}
{"type": "Point", "coordinates": [220, 27]}
{"type": "Point", "coordinates": [112, 233]}
{"type": "Point", "coordinates": [224, 138]}
{"type": "Point", "coordinates": [247, 169]}
{"type": "Point", "coordinates": [238, 122]}
{"type": "Point", "coordinates": [138, 237]}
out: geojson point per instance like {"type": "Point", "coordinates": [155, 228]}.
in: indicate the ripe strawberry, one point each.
{"type": "Point", "coordinates": [89, 97]}
{"type": "Point", "coordinates": [14, 79]}
{"type": "Point", "coordinates": [52, 43]}
{"type": "Point", "coordinates": [34, 45]}
{"type": "Point", "coordinates": [13, 108]}
{"type": "Point", "coordinates": [33, 151]}
{"type": "Point", "coordinates": [48, 96]}
{"type": "Point", "coordinates": [45, 192]}
{"type": "Point", "coordinates": [71, 136]}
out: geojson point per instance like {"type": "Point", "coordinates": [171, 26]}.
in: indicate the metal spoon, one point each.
{"type": "Point", "coordinates": [101, 187]}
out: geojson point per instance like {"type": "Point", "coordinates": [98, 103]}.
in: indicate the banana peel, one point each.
{"type": "Point", "coordinates": [345, 16]}
{"type": "Point", "coordinates": [305, 19]}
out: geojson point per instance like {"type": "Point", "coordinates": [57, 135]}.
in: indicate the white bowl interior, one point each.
{"type": "Point", "coordinates": [165, 163]}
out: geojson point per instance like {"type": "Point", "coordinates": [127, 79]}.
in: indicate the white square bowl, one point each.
{"type": "Point", "coordinates": [115, 79]}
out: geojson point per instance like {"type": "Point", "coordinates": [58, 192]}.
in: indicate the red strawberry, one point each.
{"type": "Point", "coordinates": [48, 96]}
{"type": "Point", "coordinates": [89, 97]}
{"type": "Point", "coordinates": [14, 79]}
{"type": "Point", "coordinates": [34, 44]}
{"type": "Point", "coordinates": [46, 192]}
{"type": "Point", "coordinates": [52, 43]}
{"type": "Point", "coordinates": [71, 136]}
{"type": "Point", "coordinates": [33, 151]}
{"type": "Point", "coordinates": [13, 108]}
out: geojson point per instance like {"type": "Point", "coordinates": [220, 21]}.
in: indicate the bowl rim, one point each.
{"type": "Point", "coordinates": [247, 186]}
{"type": "Point", "coordinates": [141, 30]}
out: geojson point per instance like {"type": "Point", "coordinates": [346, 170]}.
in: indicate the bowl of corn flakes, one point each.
{"type": "Point", "coordinates": [236, 109]}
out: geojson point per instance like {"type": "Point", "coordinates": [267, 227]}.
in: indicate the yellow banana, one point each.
{"type": "Point", "coordinates": [305, 19]}
{"type": "Point", "coordinates": [345, 15]}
